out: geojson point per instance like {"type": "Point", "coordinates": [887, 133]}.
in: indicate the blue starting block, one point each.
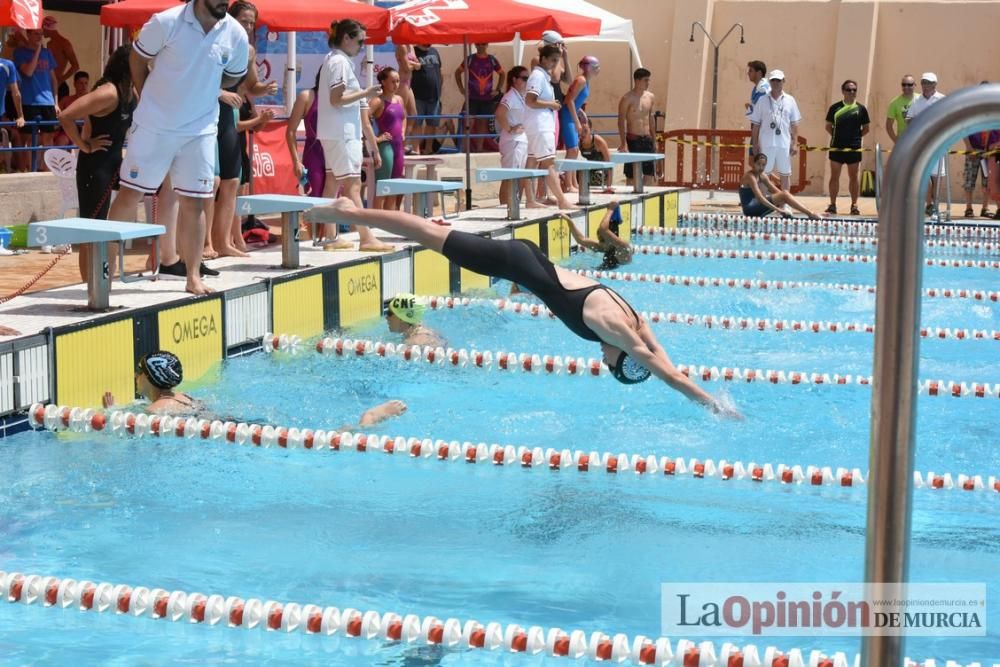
{"type": "Point", "coordinates": [493, 174]}
{"type": "Point", "coordinates": [290, 207]}
{"type": "Point", "coordinates": [420, 189]}
{"type": "Point", "coordinates": [98, 233]}
{"type": "Point", "coordinates": [585, 166]}
{"type": "Point", "coordinates": [636, 158]}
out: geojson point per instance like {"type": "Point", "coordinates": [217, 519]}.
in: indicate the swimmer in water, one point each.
{"type": "Point", "coordinates": [158, 374]}
{"type": "Point", "coordinates": [589, 309]}
{"type": "Point", "coordinates": [405, 316]}
{"type": "Point", "coordinates": [616, 250]}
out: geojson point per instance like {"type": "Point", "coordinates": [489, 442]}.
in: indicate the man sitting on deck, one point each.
{"type": "Point", "coordinates": [589, 309]}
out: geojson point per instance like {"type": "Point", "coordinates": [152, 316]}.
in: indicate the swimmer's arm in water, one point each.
{"type": "Point", "coordinates": [582, 240]}
{"type": "Point", "coordinates": [376, 415]}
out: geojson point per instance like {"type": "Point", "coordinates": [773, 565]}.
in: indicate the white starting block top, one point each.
{"type": "Point", "coordinates": [583, 165]}
{"type": "Point", "coordinates": [624, 158]}
{"type": "Point", "coordinates": [409, 186]}
{"type": "Point", "coordinates": [267, 204]}
{"type": "Point", "coordinates": [88, 230]}
{"type": "Point", "coordinates": [507, 174]}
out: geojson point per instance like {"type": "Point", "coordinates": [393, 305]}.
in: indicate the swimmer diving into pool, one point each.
{"type": "Point", "coordinates": [615, 249]}
{"type": "Point", "coordinates": [159, 373]}
{"type": "Point", "coordinates": [589, 309]}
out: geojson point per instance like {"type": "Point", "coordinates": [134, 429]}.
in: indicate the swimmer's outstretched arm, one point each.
{"type": "Point", "coordinates": [604, 232]}
{"type": "Point", "coordinates": [425, 232]}
{"type": "Point", "coordinates": [376, 415]}
{"type": "Point", "coordinates": [646, 350]}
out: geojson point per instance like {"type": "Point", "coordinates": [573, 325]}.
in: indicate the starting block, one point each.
{"type": "Point", "coordinates": [636, 158]}
{"type": "Point", "coordinates": [507, 174]}
{"type": "Point", "coordinates": [419, 189]}
{"type": "Point", "coordinates": [98, 233]}
{"type": "Point", "coordinates": [290, 207]}
{"type": "Point", "coordinates": [585, 166]}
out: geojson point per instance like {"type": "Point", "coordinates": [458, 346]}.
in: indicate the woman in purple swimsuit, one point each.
{"type": "Point", "coordinates": [312, 163]}
{"type": "Point", "coordinates": [388, 111]}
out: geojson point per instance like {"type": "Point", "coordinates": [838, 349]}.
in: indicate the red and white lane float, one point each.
{"type": "Point", "coordinates": [271, 616]}
{"type": "Point", "coordinates": [755, 283]}
{"type": "Point", "coordinates": [811, 239]}
{"type": "Point", "coordinates": [290, 344]}
{"type": "Point", "coordinates": [131, 424]}
{"type": "Point", "coordinates": [789, 256]}
{"type": "Point", "coordinates": [730, 322]}
{"type": "Point", "coordinates": [728, 221]}
{"type": "Point", "coordinates": [533, 363]}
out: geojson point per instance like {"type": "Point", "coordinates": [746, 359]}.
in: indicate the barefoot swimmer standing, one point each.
{"type": "Point", "coordinates": [588, 308]}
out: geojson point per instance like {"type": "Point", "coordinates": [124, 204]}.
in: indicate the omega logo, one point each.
{"type": "Point", "coordinates": [361, 285]}
{"type": "Point", "coordinates": [193, 329]}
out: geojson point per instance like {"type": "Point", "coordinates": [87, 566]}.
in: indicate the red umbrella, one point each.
{"type": "Point", "coordinates": [277, 15]}
{"type": "Point", "coordinates": [25, 14]}
{"type": "Point", "coordinates": [475, 21]}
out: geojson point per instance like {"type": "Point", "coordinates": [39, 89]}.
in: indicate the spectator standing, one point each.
{"type": "Point", "coordinates": [540, 122]}
{"type": "Point", "coordinates": [482, 66]}
{"type": "Point", "coordinates": [569, 114]}
{"type": "Point", "coordinates": [62, 49]}
{"type": "Point", "coordinates": [9, 88]}
{"type": "Point", "coordinates": [425, 81]}
{"type": "Point", "coordinates": [406, 62]}
{"type": "Point", "coordinates": [636, 123]}
{"type": "Point", "coordinates": [195, 48]}
{"type": "Point", "coordinates": [775, 121]}
{"type": "Point", "coordinates": [310, 169]}
{"type": "Point", "coordinates": [928, 96]}
{"type": "Point", "coordinates": [895, 121]}
{"type": "Point", "coordinates": [389, 111]}
{"type": "Point", "coordinates": [106, 113]}
{"type": "Point", "coordinates": [342, 122]}
{"type": "Point", "coordinates": [510, 119]}
{"type": "Point", "coordinates": [756, 73]}
{"type": "Point", "coordinates": [976, 167]}
{"type": "Point", "coordinates": [847, 122]}
{"type": "Point", "coordinates": [37, 68]}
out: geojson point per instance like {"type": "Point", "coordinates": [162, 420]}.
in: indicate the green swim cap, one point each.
{"type": "Point", "coordinates": [405, 307]}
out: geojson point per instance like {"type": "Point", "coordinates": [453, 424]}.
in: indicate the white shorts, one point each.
{"type": "Point", "coordinates": [149, 157]}
{"type": "Point", "coordinates": [513, 153]}
{"type": "Point", "coordinates": [778, 160]}
{"type": "Point", "coordinates": [542, 145]}
{"type": "Point", "coordinates": [343, 158]}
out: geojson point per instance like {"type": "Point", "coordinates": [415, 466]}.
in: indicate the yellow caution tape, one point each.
{"type": "Point", "coordinates": [822, 149]}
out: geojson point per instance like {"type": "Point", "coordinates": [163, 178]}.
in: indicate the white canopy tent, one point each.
{"type": "Point", "coordinates": [614, 28]}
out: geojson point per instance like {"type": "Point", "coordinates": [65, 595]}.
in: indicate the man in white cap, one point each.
{"type": "Point", "coordinates": [775, 128]}
{"type": "Point", "coordinates": [928, 96]}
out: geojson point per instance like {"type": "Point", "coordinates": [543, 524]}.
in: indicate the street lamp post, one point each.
{"type": "Point", "coordinates": [715, 88]}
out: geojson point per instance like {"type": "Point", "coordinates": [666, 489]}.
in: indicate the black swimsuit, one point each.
{"type": "Point", "coordinates": [522, 262]}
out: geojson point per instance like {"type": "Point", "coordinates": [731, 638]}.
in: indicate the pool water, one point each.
{"type": "Point", "coordinates": [506, 544]}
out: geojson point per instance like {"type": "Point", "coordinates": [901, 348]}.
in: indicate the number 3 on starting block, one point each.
{"type": "Point", "coordinates": [40, 235]}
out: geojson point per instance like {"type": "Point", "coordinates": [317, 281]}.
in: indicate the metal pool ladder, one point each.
{"type": "Point", "coordinates": [897, 340]}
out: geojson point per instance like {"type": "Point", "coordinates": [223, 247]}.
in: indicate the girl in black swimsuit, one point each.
{"type": "Point", "coordinates": [588, 308]}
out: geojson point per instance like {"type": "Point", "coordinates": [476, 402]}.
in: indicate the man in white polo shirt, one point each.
{"type": "Point", "coordinates": [194, 49]}
{"type": "Point", "coordinates": [928, 96]}
{"type": "Point", "coordinates": [775, 128]}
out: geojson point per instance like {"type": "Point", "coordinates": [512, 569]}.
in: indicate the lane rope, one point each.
{"type": "Point", "coordinates": [453, 633]}
{"type": "Point", "coordinates": [729, 221]}
{"type": "Point", "coordinates": [134, 424]}
{"type": "Point", "coordinates": [815, 239]}
{"type": "Point", "coordinates": [728, 322]}
{"type": "Point", "coordinates": [792, 256]}
{"type": "Point", "coordinates": [757, 283]}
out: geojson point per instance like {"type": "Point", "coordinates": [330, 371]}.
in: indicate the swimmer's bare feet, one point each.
{"type": "Point", "coordinates": [534, 204]}
{"type": "Point", "coordinates": [337, 244]}
{"type": "Point", "coordinates": [209, 252]}
{"type": "Point", "coordinates": [376, 246]}
{"type": "Point", "coordinates": [329, 214]}
{"type": "Point", "coordinates": [382, 412]}
{"type": "Point", "coordinates": [229, 251]}
{"type": "Point", "coordinates": [197, 287]}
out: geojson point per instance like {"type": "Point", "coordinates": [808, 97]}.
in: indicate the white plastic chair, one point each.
{"type": "Point", "coordinates": [62, 164]}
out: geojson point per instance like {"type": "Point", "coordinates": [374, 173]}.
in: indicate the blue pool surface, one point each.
{"type": "Point", "coordinates": [535, 547]}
